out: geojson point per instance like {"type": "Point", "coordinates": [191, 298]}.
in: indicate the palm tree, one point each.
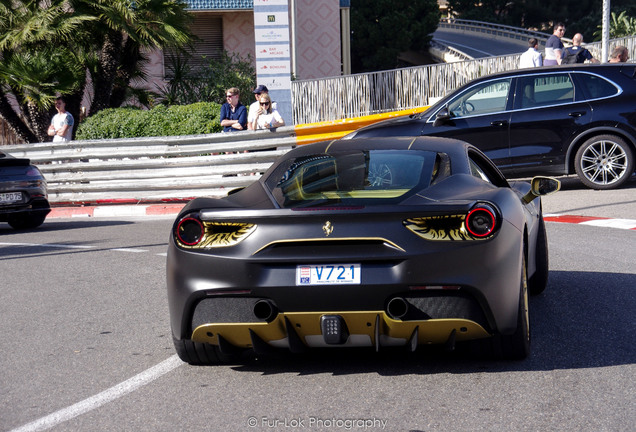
{"type": "Point", "coordinates": [49, 48]}
{"type": "Point", "coordinates": [125, 29]}
{"type": "Point", "coordinates": [36, 64]}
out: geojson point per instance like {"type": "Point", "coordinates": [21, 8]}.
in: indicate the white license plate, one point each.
{"type": "Point", "coordinates": [328, 274]}
{"type": "Point", "coordinates": [10, 197]}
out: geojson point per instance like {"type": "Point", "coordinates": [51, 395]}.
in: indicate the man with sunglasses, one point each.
{"type": "Point", "coordinates": [233, 112]}
{"type": "Point", "coordinates": [554, 46]}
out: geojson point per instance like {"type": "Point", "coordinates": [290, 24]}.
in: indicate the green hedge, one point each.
{"type": "Point", "coordinates": [198, 118]}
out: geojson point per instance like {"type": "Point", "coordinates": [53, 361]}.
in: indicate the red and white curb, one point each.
{"type": "Point", "coordinates": [142, 210]}
{"type": "Point", "coordinates": [116, 211]}
{"type": "Point", "coordinates": [626, 224]}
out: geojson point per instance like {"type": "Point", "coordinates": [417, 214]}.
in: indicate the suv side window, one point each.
{"type": "Point", "coordinates": [544, 90]}
{"type": "Point", "coordinates": [595, 86]}
{"type": "Point", "coordinates": [483, 98]}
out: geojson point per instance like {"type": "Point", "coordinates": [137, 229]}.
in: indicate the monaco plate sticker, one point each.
{"type": "Point", "coordinates": [328, 274]}
{"type": "Point", "coordinates": [10, 197]}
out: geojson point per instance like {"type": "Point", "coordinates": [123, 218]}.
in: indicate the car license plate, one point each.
{"type": "Point", "coordinates": [328, 274]}
{"type": "Point", "coordinates": [10, 197]}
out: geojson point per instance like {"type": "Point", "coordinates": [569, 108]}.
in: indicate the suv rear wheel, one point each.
{"type": "Point", "coordinates": [604, 162]}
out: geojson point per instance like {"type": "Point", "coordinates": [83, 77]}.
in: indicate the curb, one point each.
{"type": "Point", "coordinates": [115, 211]}
{"type": "Point", "coordinates": [626, 224]}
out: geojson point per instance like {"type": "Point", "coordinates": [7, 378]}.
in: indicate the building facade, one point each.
{"type": "Point", "coordinates": [319, 35]}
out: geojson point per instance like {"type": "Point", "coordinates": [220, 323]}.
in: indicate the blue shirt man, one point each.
{"type": "Point", "coordinates": [233, 112]}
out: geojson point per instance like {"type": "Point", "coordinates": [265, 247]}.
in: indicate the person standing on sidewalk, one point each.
{"type": "Point", "coordinates": [532, 57]}
{"type": "Point", "coordinates": [61, 128]}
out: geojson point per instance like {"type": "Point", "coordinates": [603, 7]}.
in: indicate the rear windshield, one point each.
{"type": "Point", "coordinates": [356, 177]}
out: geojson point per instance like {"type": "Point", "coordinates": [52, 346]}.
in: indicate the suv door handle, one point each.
{"type": "Point", "coordinates": [499, 123]}
{"type": "Point", "coordinates": [577, 114]}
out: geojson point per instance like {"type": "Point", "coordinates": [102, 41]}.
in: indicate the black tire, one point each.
{"type": "Point", "coordinates": [604, 162]}
{"type": "Point", "coordinates": [198, 353]}
{"type": "Point", "coordinates": [539, 280]}
{"type": "Point", "coordinates": [517, 345]}
{"type": "Point", "coordinates": [27, 221]}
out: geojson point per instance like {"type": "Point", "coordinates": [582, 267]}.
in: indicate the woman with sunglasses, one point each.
{"type": "Point", "coordinates": [266, 116]}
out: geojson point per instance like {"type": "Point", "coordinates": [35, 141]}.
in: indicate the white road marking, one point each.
{"type": "Point", "coordinates": [51, 245]}
{"type": "Point", "coordinates": [63, 246]}
{"type": "Point", "coordinates": [129, 250]}
{"type": "Point", "coordinates": [102, 398]}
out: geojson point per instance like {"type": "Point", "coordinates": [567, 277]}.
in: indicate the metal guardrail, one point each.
{"type": "Point", "coordinates": [496, 30]}
{"type": "Point", "coordinates": [160, 169]}
{"type": "Point", "coordinates": [447, 53]}
{"type": "Point", "coordinates": [155, 169]}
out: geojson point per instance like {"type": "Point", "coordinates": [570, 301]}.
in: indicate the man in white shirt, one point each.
{"type": "Point", "coordinates": [61, 128]}
{"type": "Point", "coordinates": [532, 57]}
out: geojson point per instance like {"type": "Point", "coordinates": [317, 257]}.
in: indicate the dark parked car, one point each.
{"type": "Point", "coordinates": [23, 196]}
{"type": "Point", "coordinates": [377, 242]}
{"type": "Point", "coordinates": [550, 121]}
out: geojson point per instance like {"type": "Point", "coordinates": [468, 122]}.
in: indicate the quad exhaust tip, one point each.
{"type": "Point", "coordinates": [397, 308]}
{"type": "Point", "coordinates": [265, 310]}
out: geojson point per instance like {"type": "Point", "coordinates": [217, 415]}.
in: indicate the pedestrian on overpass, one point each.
{"type": "Point", "coordinates": [620, 54]}
{"type": "Point", "coordinates": [532, 57]}
{"type": "Point", "coordinates": [554, 46]}
{"type": "Point", "coordinates": [576, 53]}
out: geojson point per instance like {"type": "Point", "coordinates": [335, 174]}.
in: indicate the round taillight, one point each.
{"type": "Point", "coordinates": [480, 222]}
{"type": "Point", "coordinates": [190, 231]}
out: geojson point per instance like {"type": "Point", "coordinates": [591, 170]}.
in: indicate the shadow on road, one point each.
{"type": "Point", "coordinates": [582, 320]}
{"type": "Point", "coordinates": [573, 183]}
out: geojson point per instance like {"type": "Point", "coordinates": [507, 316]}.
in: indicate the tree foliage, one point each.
{"type": "Point", "coordinates": [187, 85]}
{"type": "Point", "coordinates": [382, 29]}
{"type": "Point", "coordinates": [579, 16]}
{"type": "Point", "coordinates": [50, 48]}
{"type": "Point", "coordinates": [621, 25]}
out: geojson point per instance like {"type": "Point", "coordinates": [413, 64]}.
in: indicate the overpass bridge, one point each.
{"type": "Point", "coordinates": [456, 40]}
{"type": "Point", "coordinates": [468, 50]}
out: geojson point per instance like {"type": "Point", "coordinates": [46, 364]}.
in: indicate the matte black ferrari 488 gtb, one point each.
{"type": "Point", "coordinates": [379, 242]}
{"type": "Point", "coordinates": [23, 194]}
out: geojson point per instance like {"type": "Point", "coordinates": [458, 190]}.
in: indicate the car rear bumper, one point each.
{"type": "Point", "coordinates": [299, 330]}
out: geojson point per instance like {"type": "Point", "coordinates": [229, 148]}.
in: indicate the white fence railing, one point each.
{"type": "Point", "coordinates": [335, 98]}
{"type": "Point", "coordinates": [155, 169]}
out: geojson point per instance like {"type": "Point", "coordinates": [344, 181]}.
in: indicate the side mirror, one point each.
{"type": "Point", "coordinates": [540, 186]}
{"type": "Point", "coordinates": [442, 117]}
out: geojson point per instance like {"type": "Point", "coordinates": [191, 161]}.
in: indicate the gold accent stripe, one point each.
{"type": "Point", "coordinates": [329, 146]}
{"type": "Point", "coordinates": [411, 143]}
{"type": "Point", "coordinates": [331, 239]}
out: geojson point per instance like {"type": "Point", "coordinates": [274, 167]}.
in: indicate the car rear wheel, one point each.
{"type": "Point", "coordinates": [517, 345]}
{"type": "Point", "coordinates": [539, 280]}
{"type": "Point", "coordinates": [199, 353]}
{"type": "Point", "coordinates": [604, 162]}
